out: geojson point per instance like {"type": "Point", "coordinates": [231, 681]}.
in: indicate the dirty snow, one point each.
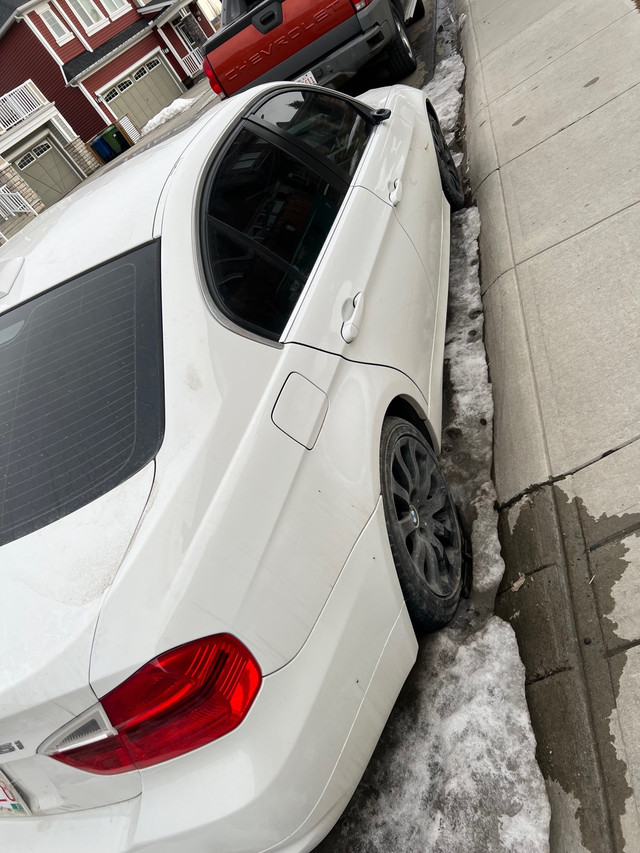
{"type": "Point", "coordinates": [444, 92]}
{"type": "Point", "coordinates": [455, 770]}
{"type": "Point", "coordinates": [174, 109]}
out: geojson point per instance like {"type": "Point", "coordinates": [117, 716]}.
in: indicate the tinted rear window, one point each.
{"type": "Point", "coordinates": [81, 395]}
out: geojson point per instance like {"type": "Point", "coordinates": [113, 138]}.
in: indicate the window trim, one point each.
{"type": "Point", "coordinates": [96, 25]}
{"type": "Point", "coordinates": [121, 10]}
{"type": "Point", "coordinates": [66, 36]}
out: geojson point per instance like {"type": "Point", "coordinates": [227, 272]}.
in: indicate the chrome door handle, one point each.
{"type": "Point", "coordinates": [396, 193]}
{"type": "Point", "coordinates": [351, 327]}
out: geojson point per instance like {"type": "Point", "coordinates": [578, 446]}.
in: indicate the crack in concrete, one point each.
{"type": "Point", "coordinates": [614, 537]}
{"type": "Point", "coordinates": [548, 674]}
{"type": "Point", "coordinates": [625, 647]}
{"type": "Point", "coordinates": [557, 478]}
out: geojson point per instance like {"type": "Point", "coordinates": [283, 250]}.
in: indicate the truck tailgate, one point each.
{"type": "Point", "coordinates": [249, 47]}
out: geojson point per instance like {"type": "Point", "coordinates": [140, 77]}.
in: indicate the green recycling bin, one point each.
{"type": "Point", "coordinates": [115, 139]}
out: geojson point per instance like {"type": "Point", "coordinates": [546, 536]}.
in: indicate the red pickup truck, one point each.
{"type": "Point", "coordinates": [317, 41]}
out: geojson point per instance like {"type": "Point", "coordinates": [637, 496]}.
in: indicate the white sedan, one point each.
{"type": "Point", "coordinates": [221, 514]}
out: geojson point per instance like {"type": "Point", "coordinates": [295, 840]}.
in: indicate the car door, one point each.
{"type": "Point", "coordinates": [369, 297]}
{"type": "Point", "coordinates": [300, 251]}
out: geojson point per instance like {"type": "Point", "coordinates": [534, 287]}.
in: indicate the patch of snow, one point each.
{"type": "Point", "coordinates": [444, 92]}
{"type": "Point", "coordinates": [174, 109]}
{"type": "Point", "coordinates": [451, 773]}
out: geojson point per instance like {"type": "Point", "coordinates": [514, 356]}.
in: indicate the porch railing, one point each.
{"type": "Point", "coordinates": [12, 204]}
{"type": "Point", "coordinates": [19, 104]}
{"type": "Point", "coordinates": [193, 61]}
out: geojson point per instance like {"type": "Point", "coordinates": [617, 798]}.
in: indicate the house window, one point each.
{"type": "Point", "coordinates": [125, 84]}
{"type": "Point", "coordinates": [55, 26]}
{"type": "Point", "coordinates": [153, 64]}
{"type": "Point", "coordinates": [111, 94]}
{"type": "Point", "coordinates": [87, 12]}
{"type": "Point", "coordinates": [41, 149]}
{"type": "Point", "coordinates": [26, 160]}
{"type": "Point", "coordinates": [140, 73]}
{"type": "Point", "coordinates": [113, 7]}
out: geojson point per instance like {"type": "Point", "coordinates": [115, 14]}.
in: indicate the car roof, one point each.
{"type": "Point", "coordinates": [107, 215]}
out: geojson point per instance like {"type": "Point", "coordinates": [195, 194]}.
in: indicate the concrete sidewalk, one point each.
{"type": "Point", "coordinates": [553, 136]}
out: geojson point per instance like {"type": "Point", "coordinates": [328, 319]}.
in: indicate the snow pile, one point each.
{"type": "Point", "coordinates": [447, 775]}
{"type": "Point", "coordinates": [455, 769]}
{"type": "Point", "coordinates": [174, 109]}
{"type": "Point", "coordinates": [444, 92]}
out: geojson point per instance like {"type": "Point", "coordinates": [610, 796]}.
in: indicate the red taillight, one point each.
{"type": "Point", "coordinates": [213, 80]}
{"type": "Point", "coordinates": [183, 699]}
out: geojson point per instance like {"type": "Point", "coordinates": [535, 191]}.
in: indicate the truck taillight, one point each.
{"type": "Point", "coordinates": [359, 5]}
{"type": "Point", "coordinates": [181, 700]}
{"type": "Point", "coordinates": [213, 80]}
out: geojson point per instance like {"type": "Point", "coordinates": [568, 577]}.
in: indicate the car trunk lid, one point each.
{"type": "Point", "coordinates": [53, 585]}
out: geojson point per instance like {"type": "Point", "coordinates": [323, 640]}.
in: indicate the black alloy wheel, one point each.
{"type": "Point", "coordinates": [449, 175]}
{"type": "Point", "coordinates": [422, 523]}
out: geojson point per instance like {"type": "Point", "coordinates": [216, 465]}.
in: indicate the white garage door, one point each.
{"type": "Point", "coordinates": [143, 93]}
{"type": "Point", "coordinates": [47, 171]}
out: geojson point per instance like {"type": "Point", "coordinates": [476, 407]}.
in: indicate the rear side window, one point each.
{"type": "Point", "coordinates": [332, 126]}
{"type": "Point", "coordinates": [266, 217]}
{"type": "Point", "coordinates": [81, 393]}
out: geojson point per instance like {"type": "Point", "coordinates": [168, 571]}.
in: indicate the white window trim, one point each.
{"type": "Point", "coordinates": [60, 40]}
{"type": "Point", "coordinates": [119, 12]}
{"type": "Point", "coordinates": [90, 28]}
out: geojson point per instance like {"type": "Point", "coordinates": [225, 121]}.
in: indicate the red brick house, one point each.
{"type": "Point", "coordinates": [71, 68]}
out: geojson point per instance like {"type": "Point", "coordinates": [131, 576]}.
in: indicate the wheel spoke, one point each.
{"type": "Point", "coordinates": [399, 459]}
{"type": "Point", "coordinates": [400, 492]}
{"type": "Point", "coordinates": [407, 526]}
{"type": "Point", "coordinates": [434, 504]}
{"type": "Point", "coordinates": [419, 553]}
{"type": "Point", "coordinates": [433, 574]}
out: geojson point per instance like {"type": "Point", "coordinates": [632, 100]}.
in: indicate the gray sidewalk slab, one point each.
{"type": "Point", "coordinates": [553, 123]}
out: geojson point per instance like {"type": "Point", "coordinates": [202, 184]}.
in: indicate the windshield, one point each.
{"type": "Point", "coordinates": [81, 394]}
{"type": "Point", "coordinates": [232, 9]}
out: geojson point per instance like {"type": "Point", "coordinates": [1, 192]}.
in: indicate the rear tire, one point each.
{"type": "Point", "coordinates": [402, 60]}
{"type": "Point", "coordinates": [449, 175]}
{"type": "Point", "coordinates": [422, 523]}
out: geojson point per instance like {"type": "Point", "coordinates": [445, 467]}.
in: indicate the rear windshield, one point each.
{"type": "Point", "coordinates": [233, 9]}
{"type": "Point", "coordinates": [81, 394]}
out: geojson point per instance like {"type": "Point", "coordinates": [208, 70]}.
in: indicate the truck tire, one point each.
{"type": "Point", "coordinates": [402, 60]}
{"type": "Point", "coordinates": [418, 12]}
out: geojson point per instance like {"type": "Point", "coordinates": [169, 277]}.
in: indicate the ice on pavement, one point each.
{"type": "Point", "coordinates": [455, 770]}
